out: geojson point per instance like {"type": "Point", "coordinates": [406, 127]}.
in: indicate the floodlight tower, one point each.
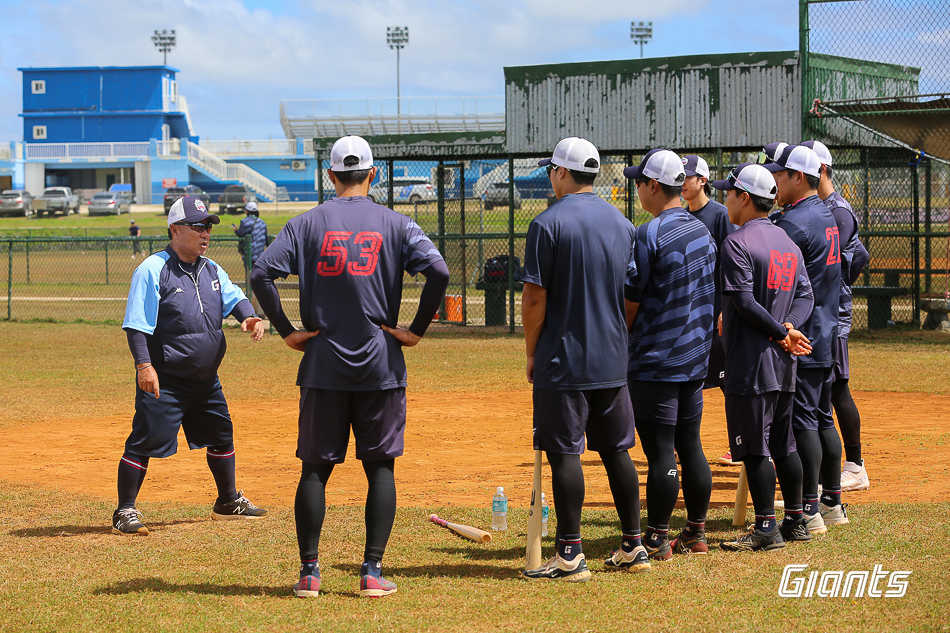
{"type": "Point", "coordinates": [641, 34]}
{"type": "Point", "coordinates": [164, 41]}
{"type": "Point", "coordinates": [397, 37]}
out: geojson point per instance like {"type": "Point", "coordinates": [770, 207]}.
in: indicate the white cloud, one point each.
{"type": "Point", "coordinates": [940, 38]}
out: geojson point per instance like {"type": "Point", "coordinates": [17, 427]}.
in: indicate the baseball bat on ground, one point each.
{"type": "Point", "coordinates": [742, 498]}
{"type": "Point", "coordinates": [532, 554]}
{"type": "Point", "coordinates": [462, 531]}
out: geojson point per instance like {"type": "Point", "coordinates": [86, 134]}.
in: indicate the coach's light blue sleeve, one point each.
{"type": "Point", "coordinates": [231, 295]}
{"type": "Point", "coordinates": [141, 309]}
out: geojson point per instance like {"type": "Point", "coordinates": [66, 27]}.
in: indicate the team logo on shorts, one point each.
{"type": "Point", "coordinates": [200, 205]}
{"type": "Point", "coordinates": [216, 285]}
{"type": "Point", "coordinates": [738, 440]}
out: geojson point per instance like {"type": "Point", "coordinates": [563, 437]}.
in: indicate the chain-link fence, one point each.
{"type": "Point", "coordinates": [892, 131]}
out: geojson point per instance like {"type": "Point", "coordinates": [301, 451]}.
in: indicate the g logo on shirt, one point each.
{"type": "Point", "coordinates": [216, 285]}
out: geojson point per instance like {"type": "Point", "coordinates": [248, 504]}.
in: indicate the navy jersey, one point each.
{"type": "Point", "coordinates": [811, 226]}
{"type": "Point", "coordinates": [350, 254]}
{"type": "Point", "coordinates": [579, 250]}
{"type": "Point", "coordinates": [847, 223]}
{"type": "Point", "coordinates": [760, 258]}
{"type": "Point", "coordinates": [673, 282]}
{"type": "Point", "coordinates": [716, 218]}
{"type": "Point", "coordinates": [180, 307]}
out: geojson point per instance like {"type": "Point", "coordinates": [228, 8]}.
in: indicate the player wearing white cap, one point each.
{"type": "Point", "coordinates": [854, 256]}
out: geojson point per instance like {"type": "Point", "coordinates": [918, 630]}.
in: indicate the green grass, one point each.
{"type": "Point", "coordinates": [64, 571]}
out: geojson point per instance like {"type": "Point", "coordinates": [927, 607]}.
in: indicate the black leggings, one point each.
{"type": "Point", "coordinates": [849, 419]}
{"type": "Point", "coordinates": [658, 442]}
{"type": "Point", "coordinates": [310, 507]}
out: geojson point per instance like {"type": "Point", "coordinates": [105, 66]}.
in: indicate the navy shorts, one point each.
{"type": "Point", "coordinates": [667, 402]}
{"type": "Point", "coordinates": [842, 362]}
{"type": "Point", "coordinates": [562, 418]}
{"type": "Point", "coordinates": [715, 379]}
{"type": "Point", "coordinates": [812, 399]}
{"type": "Point", "coordinates": [197, 407]}
{"type": "Point", "coordinates": [760, 424]}
{"type": "Point", "coordinates": [378, 420]}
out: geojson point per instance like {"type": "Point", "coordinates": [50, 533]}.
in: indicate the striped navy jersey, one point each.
{"type": "Point", "coordinates": [716, 218]}
{"type": "Point", "coordinates": [812, 227]}
{"type": "Point", "coordinates": [847, 223]}
{"type": "Point", "coordinates": [673, 283]}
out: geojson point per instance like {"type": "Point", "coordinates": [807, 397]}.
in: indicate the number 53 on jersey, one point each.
{"type": "Point", "coordinates": [335, 249]}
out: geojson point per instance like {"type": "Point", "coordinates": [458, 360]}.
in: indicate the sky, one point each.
{"type": "Point", "coordinates": [239, 58]}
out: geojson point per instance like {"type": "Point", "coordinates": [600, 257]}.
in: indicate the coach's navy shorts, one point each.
{"type": "Point", "coordinates": [842, 362]}
{"type": "Point", "coordinates": [198, 407]}
{"type": "Point", "coordinates": [378, 420]}
{"type": "Point", "coordinates": [715, 379]}
{"type": "Point", "coordinates": [667, 402]}
{"type": "Point", "coordinates": [812, 399]}
{"type": "Point", "coordinates": [561, 418]}
{"type": "Point", "coordinates": [760, 424]}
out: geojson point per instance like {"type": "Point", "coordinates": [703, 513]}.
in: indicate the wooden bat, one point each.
{"type": "Point", "coordinates": [532, 553]}
{"type": "Point", "coordinates": [742, 499]}
{"type": "Point", "coordinates": [463, 531]}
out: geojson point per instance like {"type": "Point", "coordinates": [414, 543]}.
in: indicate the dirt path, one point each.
{"type": "Point", "coordinates": [458, 448]}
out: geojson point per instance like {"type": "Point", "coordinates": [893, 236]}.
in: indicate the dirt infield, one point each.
{"type": "Point", "coordinates": [458, 448]}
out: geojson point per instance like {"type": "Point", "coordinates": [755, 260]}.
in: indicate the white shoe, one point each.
{"type": "Point", "coordinates": [833, 515]}
{"type": "Point", "coordinates": [815, 523]}
{"type": "Point", "coordinates": [854, 477]}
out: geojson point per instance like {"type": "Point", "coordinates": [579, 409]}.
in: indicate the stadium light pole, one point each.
{"type": "Point", "coordinates": [641, 34]}
{"type": "Point", "coordinates": [164, 41]}
{"type": "Point", "coordinates": [397, 37]}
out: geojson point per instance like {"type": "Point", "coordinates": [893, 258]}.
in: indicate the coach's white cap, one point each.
{"type": "Point", "coordinates": [351, 146]}
{"type": "Point", "coordinates": [695, 166]}
{"type": "Point", "coordinates": [661, 165]}
{"type": "Point", "coordinates": [797, 158]}
{"type": "Point", "coordinates": [573, 153]}
{"type": "Point", "coordinates": [190, 209]}
{"type": "Point", "coordinates": [749, 177]}
{"type": "Point", "coordinates": [824, 154]}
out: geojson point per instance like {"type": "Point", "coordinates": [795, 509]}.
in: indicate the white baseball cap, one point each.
{"type": "Point", "coordinates": [351, 146]}
{"type": "Point", "coordinates": [661, 165]}
{"type": "Point", "coordinates": [190, 209]}
{"type": "Point", "coordinates": [695, 166]}
{"type": "Point", "coordinates": [751, 178]}
{"type": "Point", "coordinates": [770, 152]}
{"type": "Point", "coordinates": [824, 154]}
{"type": "Point", "coordinates": [798, 158]}
{"type": "Point", "coordinates": [572, 153]}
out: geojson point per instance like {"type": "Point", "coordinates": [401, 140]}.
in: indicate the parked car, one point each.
{"type": "Point", "coordinates": [234, 198]}
{"type": "Point", "coordinates": [56, 199]}
{"type": "Point", "coordinates": [174, 193]}
{"type": "Point", "coordinates": [405, 189]}
{"type": "Point", "coordinates": [109, 203]}
{"type": "Point", "coordinates": [497, 196]}
{"type": "Point", "coordinates": [16, 202]}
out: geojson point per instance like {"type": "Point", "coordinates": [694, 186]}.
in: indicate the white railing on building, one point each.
{"type": "Point", "coordinates": [239, 172]}
{"type": "Point", "coordinates": [169, 148]}
{"type": "Point", "coordinates": [5, 152]}
{"type": "Point", "coordinates": [269, 147]}
{"type": "Point", "coordinates": [208, 161]}
{"type": "Point", "coordinates": [330, 117]}
{"type": "Point", "coordinates": [67, 151]}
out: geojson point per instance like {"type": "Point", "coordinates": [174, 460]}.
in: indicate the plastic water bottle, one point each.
{"type": "Point", "coordinates": [544, 516]}
{"type": "Point", "coordinates": [499, 510]}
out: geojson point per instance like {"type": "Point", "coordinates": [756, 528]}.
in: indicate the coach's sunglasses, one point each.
{"type": "Point", "coordinates": [197, 227]}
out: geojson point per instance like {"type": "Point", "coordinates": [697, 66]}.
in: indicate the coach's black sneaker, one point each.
{"type": "Point", "coordinates": [795, 531]}
{"type": "Point", "coordinates": [661, 552]}
{"type": "Point", "coordinates": [127, 522]}
{"type": "Point", "coordinates": [755, 541]}
{"type": "Point", "coordinates": [635, 561]}
{"type": "Point", "coordinates": [559, 569]}
{"type": "Point", "coordinates": [240, 508]}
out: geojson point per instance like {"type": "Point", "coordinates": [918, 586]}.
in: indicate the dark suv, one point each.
{"type": "Point", "coordinates": [234, 198]}
{"type": "Point", "coordinates": [174, 193]}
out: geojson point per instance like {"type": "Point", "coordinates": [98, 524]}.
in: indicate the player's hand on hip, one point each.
{"type": "Point", "coordinates": [297, 340]}
{"type": "Point", "coordinates": [529, 369]}
{"type": "Point", "coordinates": [254, 325]}
{"type": "Point", "coordinates": [401, 334]}
{"type": "Point", "coordinates": [147, 380]}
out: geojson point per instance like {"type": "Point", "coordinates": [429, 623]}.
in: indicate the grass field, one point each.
{"type": "Point", "coordinates": [64, 571]}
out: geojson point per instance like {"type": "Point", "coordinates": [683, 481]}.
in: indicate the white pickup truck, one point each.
{"type": "Point", "coordinates": [56, 199]}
